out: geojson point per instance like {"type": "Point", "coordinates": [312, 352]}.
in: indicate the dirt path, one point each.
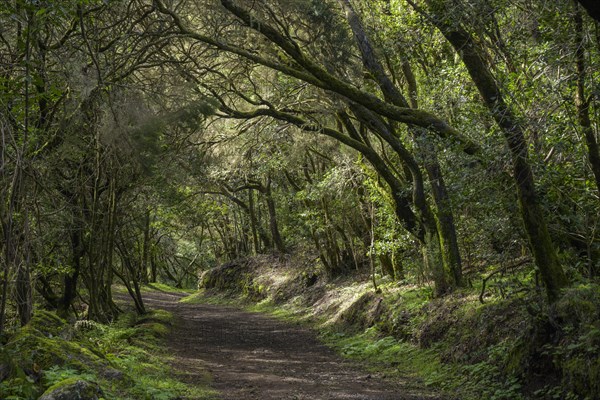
{"type": "Point", "coordinates": [253, 356]}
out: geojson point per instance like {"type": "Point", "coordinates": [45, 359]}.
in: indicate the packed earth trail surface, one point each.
{"type": "Point", "coordinates": [253, 356]}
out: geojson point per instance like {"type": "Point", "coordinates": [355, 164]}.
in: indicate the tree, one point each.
{"type": "Point", "coordinates": [532, 214]}
{"type": "Point", "coordinates": [369, 108]}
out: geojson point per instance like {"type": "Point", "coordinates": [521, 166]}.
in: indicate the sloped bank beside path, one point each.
{"type": "Point", "coordinates": [253, 356]}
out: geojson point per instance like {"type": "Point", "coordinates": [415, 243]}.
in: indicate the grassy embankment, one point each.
{"type": "Point", "coordinates": [122, 360]}
{"type": "Point", "coordinates": [511, 346]}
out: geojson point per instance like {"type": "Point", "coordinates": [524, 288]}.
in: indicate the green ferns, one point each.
{"type": "Point", "coordinates": [124, 358]}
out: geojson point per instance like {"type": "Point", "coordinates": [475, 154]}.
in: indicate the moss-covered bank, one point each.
{"type": "Point", "coordinates": [510, 347]}
{"type": "Point", "coordinates": [123, 360]}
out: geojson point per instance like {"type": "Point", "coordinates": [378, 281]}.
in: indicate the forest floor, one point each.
{"type": "Point", "coordinates": [247, 355]}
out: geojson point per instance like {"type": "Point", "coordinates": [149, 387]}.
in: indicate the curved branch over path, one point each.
{"type": "Point", "coordinates": [307, 70]}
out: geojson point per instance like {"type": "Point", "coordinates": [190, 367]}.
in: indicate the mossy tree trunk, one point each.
{"type": "Point", "coordinates": [582, 101]}
{"type": "Point", "coordinates": [444, 233]}
{"type": "Point", "coordinates": [425, 229]}
{"type": "Point", "coordinates": [273, 224]}
{"type": "Point", "coordinates": [145, 253]}
{"type": "Point", "coordinates": [540, 242]}
{"type": "Point", "coordinates": [70, 279]}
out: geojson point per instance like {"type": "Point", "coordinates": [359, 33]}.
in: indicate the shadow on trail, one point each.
{"type": "Point", "coordinates": [253, 356]}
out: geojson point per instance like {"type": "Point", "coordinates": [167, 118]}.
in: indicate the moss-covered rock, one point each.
{"type": "Point", "coordinates": [363, 313]}
{"type": "Point", "coordinates": [50, 324]}
{"type": "Point", "coordinates": [160, 316]}
{"type": "Point", "coordinates": [227, 277]}
{"type": "Point", "coordinates": [73, 389]}
{"type": "Point", "coordinates": [234, 278]}
{"type": "Point", "coordinates": [38, 352]}
{"type": "Point", "coordinates": [152, 329]}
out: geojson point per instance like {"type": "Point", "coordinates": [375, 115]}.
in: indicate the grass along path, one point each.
{"type": "Point", "coordinates": [253, 356]}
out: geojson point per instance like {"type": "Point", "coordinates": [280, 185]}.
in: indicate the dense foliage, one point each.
{"type": "Point", "coordinates": [442, 143]}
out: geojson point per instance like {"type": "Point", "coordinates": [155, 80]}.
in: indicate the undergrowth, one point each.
{"type": "Point", "coordinates": [501, 343]}
{"type": "Point", "coordinates": [126, 359]}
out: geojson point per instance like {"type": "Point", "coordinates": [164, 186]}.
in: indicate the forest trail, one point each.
{"type": "Point", "coordinates": [253, 356]}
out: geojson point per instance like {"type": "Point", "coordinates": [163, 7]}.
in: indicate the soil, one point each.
{"type": "Point", "coordinates": [253, 356]}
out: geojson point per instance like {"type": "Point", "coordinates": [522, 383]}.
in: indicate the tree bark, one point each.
{"type": "Point", "coordinates": [273, 225]}
{"type": "Point", "coordinates": [23, 292]}
{"type": "Point", "coordinates": [582, 102]}
{"type": "Point", "coordinates": [444, 217]}
{"type": "Point", "coordinates": [303, 68]}
{"type": "Point", "coordinates": [70, 279]}
{"type": "Point", "coordinates": [532, 214]}
{"type": "Point", "coordinates": [144, 272]}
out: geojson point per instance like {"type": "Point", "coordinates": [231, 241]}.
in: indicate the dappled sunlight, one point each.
{"type": "Point", "coordinates": [248, 354]}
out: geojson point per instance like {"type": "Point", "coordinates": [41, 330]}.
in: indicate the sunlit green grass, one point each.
{"type": "Point", "coordinates": [161, 287]}
{"type": "Point", "coordinates": [137, 346]}
{"type": "Point", "coordinates": [407, 362]}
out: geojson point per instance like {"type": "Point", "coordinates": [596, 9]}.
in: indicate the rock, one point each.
{"type": "Point", "coordinates": [36, 349]}
{"type": "Point", "coordinates": [234, 277]}
{"type": "Point", "coordinates": [50, 325]}
{"type": "Point", "coordinates": [364, 312]}
{"type": "Point", "coordinates": [113, 374]}
{"type": "Point", "coordinates": [73, 389]}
